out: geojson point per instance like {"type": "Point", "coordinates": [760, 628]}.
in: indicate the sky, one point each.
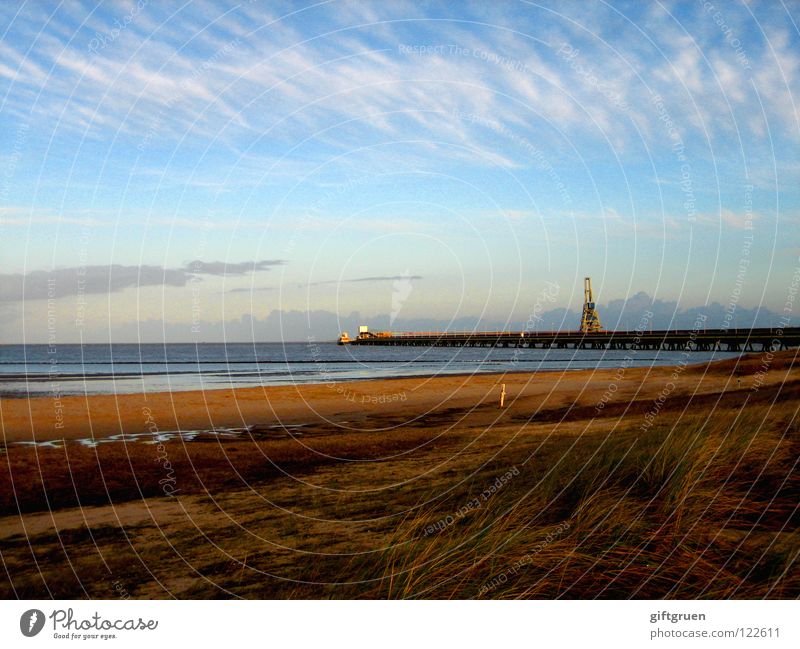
{"type": "Point", "coordinates": [176, 171]}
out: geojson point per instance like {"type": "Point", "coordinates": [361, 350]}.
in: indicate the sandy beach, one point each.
{"type": "Point", "coordinates": [321, 490]}
{"type": "Point", "coordinates": [373, 404]}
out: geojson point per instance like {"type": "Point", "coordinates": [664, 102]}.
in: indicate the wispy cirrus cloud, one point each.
{"type": "Point", "coordinates": [728, 219]}
{"type": "Point", "coordinates": [374, 73]}
{"type": "Point", "coordinates": [355, 280]}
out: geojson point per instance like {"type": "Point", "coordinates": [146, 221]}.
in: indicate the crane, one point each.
{"type": "Point", "coordinates": [590, 320]}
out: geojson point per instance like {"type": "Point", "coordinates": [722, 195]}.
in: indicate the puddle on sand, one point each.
{"type": "Point", "coordinates": [159, 437]}
{"type": "Point", "coordinates": [53, 443]}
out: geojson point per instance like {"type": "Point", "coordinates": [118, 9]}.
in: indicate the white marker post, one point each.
{"type": "Point", "coordinates": [503, 395]}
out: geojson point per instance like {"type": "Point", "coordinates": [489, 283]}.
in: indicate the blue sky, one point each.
{"type": "Point", "coordinates": [330, 156]}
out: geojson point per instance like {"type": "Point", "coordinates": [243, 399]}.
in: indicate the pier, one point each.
{"type": "Point", "coordinates": [726, 340]}
{"type": "Point", "coordinates": [591, 335]}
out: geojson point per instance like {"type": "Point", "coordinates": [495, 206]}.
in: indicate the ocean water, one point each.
{"type": "Point", "coordinates": [129, 368]}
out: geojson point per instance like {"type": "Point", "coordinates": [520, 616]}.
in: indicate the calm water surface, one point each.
{"type": "Point", "coordinates": [127, 368]}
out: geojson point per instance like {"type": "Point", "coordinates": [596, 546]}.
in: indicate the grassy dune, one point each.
{"type": "Point", "coordinates": [700, 507]}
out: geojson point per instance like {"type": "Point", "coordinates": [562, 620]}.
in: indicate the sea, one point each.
{"type": "Point", "coordinates": [38, 370]}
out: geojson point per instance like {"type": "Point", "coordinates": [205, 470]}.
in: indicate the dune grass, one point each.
{"type": "Point", "coordinates": [694, 507]}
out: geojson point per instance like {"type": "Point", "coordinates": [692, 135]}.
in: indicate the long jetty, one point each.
{"type": "Point", "coordinates": [730, 340]}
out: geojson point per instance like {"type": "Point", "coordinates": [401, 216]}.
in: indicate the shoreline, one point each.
{"type": "Point", "coordinates": [75, 378]}
{"type": "Point", "coordinates": [351, 403]}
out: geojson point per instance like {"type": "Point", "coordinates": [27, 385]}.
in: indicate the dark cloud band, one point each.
{"type": "Point", "coordinates": [113, 278]}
